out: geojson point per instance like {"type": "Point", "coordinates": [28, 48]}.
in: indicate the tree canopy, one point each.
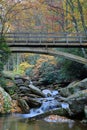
{"type": "Point", "coordinates": [43, 15]}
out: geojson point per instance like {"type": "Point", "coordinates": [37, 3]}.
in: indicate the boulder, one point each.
{"type": "Point", "coordinates": [24, 89]}
{"type": "Point", "coordinates": [58, 111]}
{"type": "Point", "coordinates": [19, 82]}
{"type": "Point", "coordinates": [32, 95]}
{"type": "Point", "coordinates": [73, 88]}
{"type": "Point", "coordinates": [36, 90]}
{"type": "Point", "coordinates": [85, 111]}
{"type": "Point", "coordinates": [5, 101]}
{"type": "Point", "coordinates": [23, 105]}
{"type": "Point", "coordinates": [56, 118]}
{"type": "Point", "coordinates": [26, 78]}
{"type": "Point", "coordinates": [17, 77]}
{"type": "Point", "coordinates": [10, 86]}
{"type": "Point", "coordinates": [33, 102]}
{"type": "Point", "coordinates": [77, 102]}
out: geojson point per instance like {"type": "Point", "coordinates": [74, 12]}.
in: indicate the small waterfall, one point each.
{"type": "Point", "coordinates": [50, 93]}
{"type": "Point", "coordinates": [65, 105]}
{"type": "Point", "coordinates": [48, 103]}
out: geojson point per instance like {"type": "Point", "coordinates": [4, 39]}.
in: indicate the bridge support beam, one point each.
{"type": "Point", "coordinates": [50, 52]}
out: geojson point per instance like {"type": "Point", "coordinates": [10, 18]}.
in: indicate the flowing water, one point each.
{"type": "Point", "coordinates": [21, 122]}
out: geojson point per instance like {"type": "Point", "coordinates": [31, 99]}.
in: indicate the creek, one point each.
{"type": "Point", "coordinates": [49, 102]}
{"type": "Point", "coordinates": [14, 123]}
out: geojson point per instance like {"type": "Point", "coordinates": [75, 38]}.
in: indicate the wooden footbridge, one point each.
{"type": "Point", "coordinates": [42, 42]}
{"type": "Point", "coordinates": [49, 40]}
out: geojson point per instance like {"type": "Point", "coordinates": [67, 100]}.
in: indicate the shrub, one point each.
{"type": "Point", "coordinates": [48, 73]}
{"type": "Point", "coordinates": [4, 54]}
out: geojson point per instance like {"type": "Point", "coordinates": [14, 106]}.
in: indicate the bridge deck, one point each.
{"type": "Point", "coordinates": [30, 42]}
{"type": "Point", "coordinates": [46, 40]}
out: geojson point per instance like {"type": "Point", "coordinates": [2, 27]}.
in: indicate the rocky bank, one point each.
{"type": "Point", "coordinates": [24, 97]}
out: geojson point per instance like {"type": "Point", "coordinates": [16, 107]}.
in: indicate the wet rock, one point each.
{"type": "Point", "coordinates": [36, 90]}
{"type": "Point", "coordinates": [60, 98]}
{"type": "Point", "coordinates": [56, 118]}
{"type": "Point", "coordinates": [33, 102]}
{"type": "Point", "coordinates": [58, 111]}
{"type": "Point", "coordinates": [19, 82]}
{"type": "Point", "coordinates": [84, 121]}
{"type": "Point", "coordinates": [17, 77]}
{"type": "Point", "coordinates": [47, 92]}
{"type": "Point", "coordinates": [26, 83]}
{"type": "Point", "coordinates": [85, 111]}
{"type": "Point", "coordinates": [37, 83]}
{"type": "Point", "coordinates": [73, 88]}
{"type": "Point", "coordinates": [33, 95]}
{"type": "Point", "coordinates": [24, 89]}
{"type": "Point", "coordinates": [25, 78]}
{"type": "Point", "coordinates": [77, 102]}
{"type": "Point", "coordinates": [23, 105]}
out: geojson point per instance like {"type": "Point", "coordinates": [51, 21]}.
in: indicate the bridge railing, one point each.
{"type": "Point", "coordinates": [45, 37]}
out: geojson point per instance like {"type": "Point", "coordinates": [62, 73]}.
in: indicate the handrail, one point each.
{"type": "Point", "coordinates": [44, 35]}
{"type": "Point", "coordinates": [45, 39]}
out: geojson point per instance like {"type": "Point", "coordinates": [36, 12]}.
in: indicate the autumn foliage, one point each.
{"type": "Point", "coordinates": [43, 15]}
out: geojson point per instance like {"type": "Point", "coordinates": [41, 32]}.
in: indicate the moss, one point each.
{"type": "Point", "coordinates": [71, 90]}
{"type": "Point", "coordinates": [81, 95]}
{"type": "Point", "coordinates": [4, 54]}
{"type": "Point", "coordinates": [7, 103]}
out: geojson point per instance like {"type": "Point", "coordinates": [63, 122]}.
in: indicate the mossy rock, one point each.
{"type": "Point", "coordinates": [5, 102]}
{"type": "Point", "coordinates": [10, 87]}
{"type": "Point", "coordinates": [77, 101]}
{"type": "Point", "coordinates": [74, 87]}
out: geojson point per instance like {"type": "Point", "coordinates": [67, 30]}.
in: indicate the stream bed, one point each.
{"type": "Point", "coordinates": [22, 122]}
